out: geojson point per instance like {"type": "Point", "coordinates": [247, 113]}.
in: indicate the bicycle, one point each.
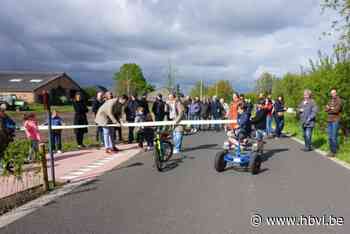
{"type": "Point", "coordinates": [163, 149]}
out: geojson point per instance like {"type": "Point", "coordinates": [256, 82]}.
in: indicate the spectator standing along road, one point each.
{"type": "Point", "coordinates": [216, 111]}
{"type": "Point", "coordinates": [195, 110]}
{"type": "Point", "coordinates": [33, 134]}
{"type": "Point", "coordinates": [96, 104]}
{"type": "Point", "coordinates": [334, 109]}
{"type": "Point", "coordinates": [307, 110]}
{"type": "Point", "coordinates": [205, 111]}
{"type": "Point", "coordinates": [234, 109]}
{"type": "Point", "coordinates": [279, 110]}
{"type": "Point", "coordinates": [80, 110]}
{"type": "Point", "coordinates": [56, 120]}
{"type": "Point", "coordinates": [7, 130]}
{"type": "Point", "coordinates": [177, 114]}
{"type": "Point", "coordinates": [158, 109]}
{"type": "Point", "coordinates": [269, 109]}
{"type": "Point", "coordinates": [130, 112]}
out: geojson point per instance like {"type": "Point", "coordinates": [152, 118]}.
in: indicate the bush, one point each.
{"type": "Point", "coordinates": [14, 157]}
{"type": "Point", "coordinates": [324, 75]}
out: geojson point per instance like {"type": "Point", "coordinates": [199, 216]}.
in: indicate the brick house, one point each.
{"type": "Point", "coordinates": [29, 86]}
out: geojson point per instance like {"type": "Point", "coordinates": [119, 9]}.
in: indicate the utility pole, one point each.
{"type": "Point", "coordinates": [128, 82]}
{"type": "Point", "coordinates": [201, 92]}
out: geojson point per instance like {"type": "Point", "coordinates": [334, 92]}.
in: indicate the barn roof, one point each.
{"type": "Point", "coordinates": [26, 81]}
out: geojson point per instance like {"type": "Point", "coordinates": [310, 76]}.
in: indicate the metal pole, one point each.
{"type": "Point", "coordinates": [201, 90]}
{"type": "Point", "coordinates": [52, 161]}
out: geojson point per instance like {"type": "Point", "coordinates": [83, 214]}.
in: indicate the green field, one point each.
{"type": "Point", "coordinates": [320, 137]}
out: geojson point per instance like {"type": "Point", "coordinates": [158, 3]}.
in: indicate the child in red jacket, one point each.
{"type": "Point", "coordinates": [33, 134]}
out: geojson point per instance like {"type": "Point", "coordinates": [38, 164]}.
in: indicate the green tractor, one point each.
{"type": "Point", "coordinates": [13, 103]}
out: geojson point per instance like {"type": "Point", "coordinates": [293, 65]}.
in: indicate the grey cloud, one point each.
{"type": "Point", "coordinates": [204, 39]}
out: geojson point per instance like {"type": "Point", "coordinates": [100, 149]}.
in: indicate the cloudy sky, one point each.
{"type": "Point", "coordinates": [203, 39]}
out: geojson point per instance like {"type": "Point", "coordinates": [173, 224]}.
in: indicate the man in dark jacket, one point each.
{"type": "Point", "coordinates": [205, 110]}
{"type": "Point", "coordinates": [96, 104]}
{"type": "Point", "coordinates": [130, 112]}
{"type": "Point", "coordinates": [216, 111]}
{"type": "Point", "coordinates": [334, 109]}
{"type": "Point", "coordinates": [279, 110]}
{"type": "Point", "coordinates": [307, 110]}
{"type": "Point", "coordinates": [7, 131]}
{"type": "Point", "coordinates": [143, 103]}
{"type": "Point", "coordinates": [158, 108]}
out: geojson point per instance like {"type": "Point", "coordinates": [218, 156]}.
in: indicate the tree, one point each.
{"type": "Point", "coordinates": [221, 89]}
{"type": "Point", "coordinates": [264, 83]}
{"type": "Point", "coordinates": [342, 24]}
{"type": "Point", "coordinates": [196, 90]}
{"type": "Point", "coordinates": [90, 91]}
{"type": "Point", "coordinates": [130, 80]}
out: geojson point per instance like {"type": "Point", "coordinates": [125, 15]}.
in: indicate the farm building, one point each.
{"type": "Point", "coordinates": [29, 86]}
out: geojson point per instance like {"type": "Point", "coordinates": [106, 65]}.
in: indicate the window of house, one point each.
{"type": "Point", "coordinates": [15, 80]}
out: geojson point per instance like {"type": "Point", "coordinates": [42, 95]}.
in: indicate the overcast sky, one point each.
{"type": "Point", "coordinates": [203, 39]}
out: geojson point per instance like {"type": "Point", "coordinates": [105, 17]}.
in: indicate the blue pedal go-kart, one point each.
{"type": "Point", "coordinates": [248, 156]}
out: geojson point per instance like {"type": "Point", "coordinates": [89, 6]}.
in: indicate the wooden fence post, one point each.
{"type": "Point", "coordinates": [44, 167]}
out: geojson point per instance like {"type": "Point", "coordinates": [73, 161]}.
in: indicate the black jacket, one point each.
{"type": "Point", "coordinates": [96, 104]}
{"type": "Point", "coordinates": [205, 110]}
{"type": "Point", "coordinates": [143, 102]}
{"type": "Point", "coordinates": [80, 117]}
{"type": "Point", "coordinates": [259, 120]}
{"type": "Point", "coordinates": [158, 109]}
{"type": "Point", "coordinates": [130, 110]}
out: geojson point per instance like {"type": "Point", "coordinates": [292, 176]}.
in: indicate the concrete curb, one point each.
{"type": "Point", "coordinates": [324, 154]}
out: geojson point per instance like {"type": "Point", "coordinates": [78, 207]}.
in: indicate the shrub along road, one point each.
{"type": "Point", "coordinates": [193, 198]}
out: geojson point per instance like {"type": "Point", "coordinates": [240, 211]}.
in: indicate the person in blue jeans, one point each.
{"type": "Point", "coordinates": [56, 137]}
{"type": "Point", "coordinates": [279, 110]}
{"type": "Point", "coordinates": [307, 111]}
{"type": "Point", "coordinates": [195, 110]}
{"type": "Point", "coordinates": [333, 109]}
{"type": "Point", "coordinates": [178, 110]}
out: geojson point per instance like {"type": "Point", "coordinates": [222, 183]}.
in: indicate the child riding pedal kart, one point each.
{"type": "Point", "coordinates": [239, 150]}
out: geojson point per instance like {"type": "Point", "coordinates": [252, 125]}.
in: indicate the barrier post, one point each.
{"type": "Point", "coordinates": [47, 107]}
{"type": "Point", "coordinates": [44, 167]}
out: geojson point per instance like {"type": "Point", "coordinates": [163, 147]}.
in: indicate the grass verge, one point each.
{"type": "Point", "coordinates": [319, 138]}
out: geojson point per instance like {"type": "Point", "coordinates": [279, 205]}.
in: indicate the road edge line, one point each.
{"type": "Point", "coordinates": [324, 154]}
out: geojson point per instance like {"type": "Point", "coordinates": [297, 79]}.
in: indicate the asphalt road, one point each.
{"type": "Point", "coordinates": [192, 197]}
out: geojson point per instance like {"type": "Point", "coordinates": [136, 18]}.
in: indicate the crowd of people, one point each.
{"type": "Point", "coordinates": [108, 109]}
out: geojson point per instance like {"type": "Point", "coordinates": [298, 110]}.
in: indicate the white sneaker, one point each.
{"type": "Point", "coordinates": [175, 151]}
{"type": "Point", "coordinates": [59, 151]}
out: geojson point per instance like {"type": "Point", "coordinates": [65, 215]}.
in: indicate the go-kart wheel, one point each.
{"type": "Point", "coordinates": [255, 163]}
{"type": "Point", "coordinates": [220, 162]}
{"type": "Point", "coordinates": [167, 150]}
